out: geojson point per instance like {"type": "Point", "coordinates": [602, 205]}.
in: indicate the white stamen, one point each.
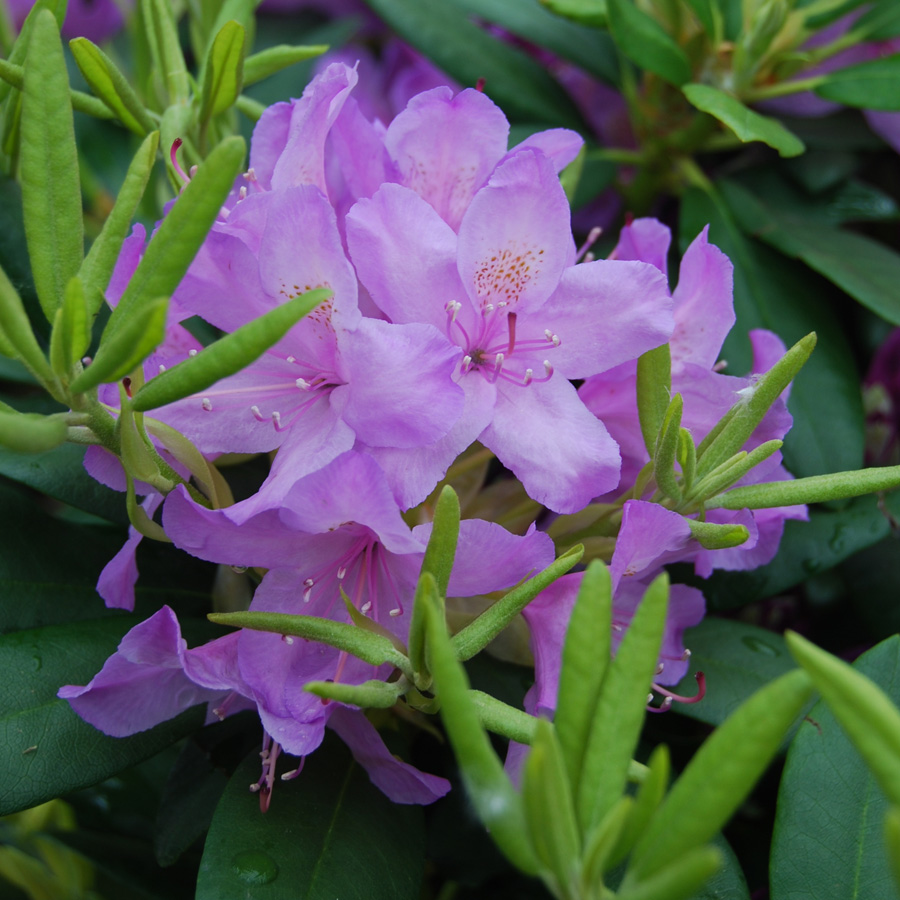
{"type": "Point", "coordinates": [162, 368]}
{"type": "Point", "coordinates": [303, 384]}
{"type": "Point", "coordinates": [553, 338]}
{"type": "Point", "coordinates": [341, 572]}
{"type": "Point", "coordinates": [548, 369]}
{"type": "Point", "coordinates": [206, 403]}
{"type": "Point", "coordinates": [498, 362]}
{"type": "Point", "coordinates": [287, 639]}
{"type": "Point", "coordinates": [366, 607]}
{"type": "Point", "coordinates": [502, 303]}
{"type": "Point", "coordinates": [250, 174]}
{"type": "Point", "coordinates": [192, 352]}
{"type": "Point", "coordinates": [276, 420]}
{"type": "Point", "coordinates": [395, 612]}
{"type": "Point", "coordinates": [254, 788]}
{"type": "Point", "coordinates": [686, 655]}
{"type": "Point", "coordinates": [529, 376]}
{"type": "Point", "coordinates": [291, 359]}
{"type": "Point", "coordinates": [650, 697]}
{"type": "Point", "coordinates": [86, 361]}
{"type": "Point", "coordinates": [308, 585]}
{"type": "Point", "coordinates": [466, 363]}
{"type": "Point", "coordinates": [257, 414]}
{"type": "Point", "coordinates": [242, 193]}
{"type": "Point", "coordinates": [488, 307]}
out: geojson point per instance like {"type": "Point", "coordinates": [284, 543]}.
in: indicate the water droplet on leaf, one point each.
{"type": "Point", "coordinates": [758, 646]}
{"type": "Point", "coordinates": [254, 867]}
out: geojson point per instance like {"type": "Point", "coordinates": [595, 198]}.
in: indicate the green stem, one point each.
{"type": "Point", "coordinates": [782, 89]}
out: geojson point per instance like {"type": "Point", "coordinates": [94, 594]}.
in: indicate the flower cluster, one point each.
{"type": "Point", "coordinates": [459, 310]}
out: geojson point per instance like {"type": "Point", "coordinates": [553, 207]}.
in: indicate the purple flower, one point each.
{"type": "Point", "coordinates": [882, 391]}
{"type": "Point", "coordinates": [507, 291]}
{"type": "Point", "coordinates": [93, 19]}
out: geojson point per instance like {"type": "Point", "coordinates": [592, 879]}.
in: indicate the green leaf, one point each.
{"type": "Point", "coordinates": [681, 880]}
{"type": "Point", "coordinates": [48, 750]}
{"type": "Point", "coordinates": [273, 59]}
{"type": "Point", "coordinates": [227, 355]}
{"type": "Point", "coordinates": [479, 633]}
{"type": "Point", "coordinates": [498, 805]}
{"type": "Point", "coordinates": [654, 387]}
{"type": "Point", "coordinates": [368, 646]}
{"type": "Point", "coordinates": [165, 48]}
{"type": "Point", "coordinates": [372, 694]}
{"type": "Point", "coordinates": [549, 808]}
{"type": "Point", "coordinates": [31, 432]}
{"type": "Point", "coordinates": [111, 86]}
{"type": "Point", "coordinates": [20, 48]}
{"type": "Point", "coordinates": [771, 292]}
{"type": "Point", "coordinates": [585, 658]}
{"type": "Point", "coordinates": [468, 53]}
{"type": "Point", "coordinates": [98, 265]}
{"type": "Point", "coordinates": [18, 333]}
{"type": "Point", "coordinates": [182, 231]}
{"type": "Point", "coordinates": [71, 334]}
{"type": "Point", "coordinates": [645, 42]}
{"type": "Point", "coordinates": [588, 12]}
{"type": "Point", "coordinates": [124, 350]}
{"type": "Point", "coordinates": [892, 842]}
{"type": "Point", "coordinates": [868, 85]}
{"type": "Point", "coordinates": [720, 775]}
{"type": "Point", "coordinates": [620, 708]}
{"type": "Point", "coordinates": [542, 24]}
{"type": "Point", "coordinates": [667, 448]}
{"type": "Point", "coordinates": [737, 660]}
{"type": "Point", "coordinates": [708, 15]}
{"type": "Point", "coordinates": [51, 194]}
{"type": "Point", "coordinates": [865, 269]}
{"type": "Point", "coordinates": [865, 712]}
{"type": "Point", "coordinates": [223, 74]}
{"type": "Point", "coordinates": [328, 833]}
{"type": "Point", "coordinates": [746, 124]}
{"type": "Point", "coordinates": [827, 839]}
{"type": "Point", "coordinates": [712, 536]}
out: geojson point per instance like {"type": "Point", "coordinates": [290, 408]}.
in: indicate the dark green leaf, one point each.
{"type": "Point", "coordinates": [223, 74]}
{"type": "Point", "coordinates": [828, 830]}
{"type": "Point", "coordinates": [273, 59]}
{"type": "Point", "coordinates": [51, 194]}
{"type": "Point", "coordinates": [645, 42]}
{"type": "Point", "coordinates": [47, 749]}
{"type": "Point", "coordinates": [770, 292]}
{"type": "Point", "coordinates": [31, 432]}
{"type": "Point", "coordinates": [865, 269]}
{"type": "Point", "coordinates": [513, 79]}
{"type": "Point", "coordinates": [868, 85]}
{"type": "Point", "coordinates": [589, 12]}
{"type": "Point", "coordinates": [165, 48]}
{"type": "Point", "coordinates": [746, 124]}
{"type": "Point", "coordinates": [329, 833]}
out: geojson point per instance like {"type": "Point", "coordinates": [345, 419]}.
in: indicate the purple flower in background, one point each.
{"type": "Point", "coordinates": [882, 398]}
{"type": "Point", "coordinates": [507, 291]}
{"type": "Point", "coordinates": [93, 19]}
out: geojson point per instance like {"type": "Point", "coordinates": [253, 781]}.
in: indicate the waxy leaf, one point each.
{"type": "Point", "coordinates": [712, 536]}
{"type": "Point", "coordinates": [48, 750]}
{"type": "Point", "coordinates": [18, 334]}
{"type": "Point", "coordinates": [51, 193]}
{"type": "Point", "coordinates": [20, 48]}
{"type": "Point", "coordinates": [273, 59]}
{"type": "Point", "coordinates": [868, 85]}
{"type": "Point", "coordinates": [645, 42]}
{"type": "Point", "coordinates": [744, 122]}
{"type": "Point", "coordinates": [227, 355]}
{"type": "Point", "coordinates": [667, 449]}
{"type": "Point", "coordinates": [892, 841]}
{"type": "Point", "coordinates": [165, 48]}
{"type": "Point", "coordinates": [223, 74]}
{"type": "Point", "coordinates": [654, 388]}
{"type": "Point", "coordinates": [828, 839]}
{"type": "Point", "coordinates": [620, 709]}
{"type": "Point", "coordinates": [498, 805]}
{"type": "Point", "coordinates": [181, 232]}
{"type": "Point", "coordinates": [479, 633]}
{"type": "Point", "coordinates": [98, 265]}
{"type": "Point", "coordinates": [589, 12]}
{"type": "Point", "coordinates": [31, 432]}
{"type": "Point", "coordinates": [719, 776]}
{"type": "Point", "coordinates": [585, 658]}
{"type": "Point", "coordinates": [679, 881]}
{"type": "Point", "coordinates": [122, 351]}
{"type": "Point", "coordinates": [71, 334]}
{"type": "Point", "coordinates": [328, 833]}
{"type": "Point", "coordinates": [370, 694]}
{"type": "Point", "coordinates": [111, 86]}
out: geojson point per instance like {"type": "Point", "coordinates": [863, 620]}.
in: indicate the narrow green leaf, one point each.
{"type": "Point", "coordinates": [892, 842]}
{"type": "Point", "coordinates": [48, 750]}
{"type": "Point", "coordinates": [549, 809]}
{"type": "Point", "coordinates": [587, 12]}
{"type": "Point", "coordinates": [17, 332]}
{"type": "Point", "coordinates": [585, 658]}
{"type": "Point", "coordinates": [227, 355]}
{"type": "Point", "coordinates": [621, 708]}
{"type": "Point", "coordinates": [223, 74]}
{"type": "Point", "coordinates": [20, 48]}
{"type": "Point", "coordinates": [667, 448]}
{"type": "Point", "coordinates": [720, 775]}
{"type": "Point", "coordinates": [752, 407]}
{"type": "Point", "coordinates": [645, 42]}
{"type": "Point", "coordinates": [868, 85]}
{"type": "Point", "coordinates": [744, 122]}
{"type": "Point", "coordinates": [181, 233]}
{"type": "Point", "coordinates": [503, 719]}
{"type": "Point", "coordinates": [369, 647]}
{"type": "Point", "coordinates": [368, 695]}
{"type": "Point", "coordinates": [601, 841]}
{"type": "Point", "coordinates": [498, 805]}
{"type": "Point", "coordinates": [124, 350]}
{"type": "Point", "coordinates": [712, 536]}
{"type": "Point", "coordinates": [517, 82]}
{"type": "Point", "coordinates": [730, 471]}
{"type": "Point", "coordinates": [165, 48]}
{"type": "Point", "coordinates": [654, 387]}
{"type": "Point", "coordinates": [111, 86]}
{"type": "Point", "coordinates": [708, 15]}
{"type": "Point", "coordinates": [273, 59]}
{"type": "Point", "coordinates": [679, 881]}
{"type": "Point", "coordinates": [479, 633]}
{"type": "Point", "coordinates": [31, 432]}
{"type": "Point", "coordinates": [826, 840]}
{"type": "Point", "coordinates": [815, 489]}
{"type": "Point", "coordinates": [71, 334]}
{"type": "Point", "coordinates": [867, 715]}
{"type": "Point", "coordinates": [51, 193]}
{"type": "Point", "coordinates": [98, 265]}
{"type": "Point", "coordinates": [687, 458]}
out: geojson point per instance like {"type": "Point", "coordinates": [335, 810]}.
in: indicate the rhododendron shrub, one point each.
{"type": "Point", "coordinates": [340, 450]}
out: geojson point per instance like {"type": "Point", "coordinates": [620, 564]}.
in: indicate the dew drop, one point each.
{"type": "Point", "coordinates": [254, 867]}
{"type": "Point", "coordinates": [759, 646]}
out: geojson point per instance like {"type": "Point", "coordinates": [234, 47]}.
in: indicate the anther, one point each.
{"type": "Point", "coordinates": [257, 414]}
{"type": "Point", "coordinates": [250, 175]}
{"type": "Point", "coordinates": [192, 352]}
{"type": "Point", "coordinates": [287, 639]}
{"type": "Point", "coordinates": [551, 337]}
{"type": "Point", "coordinates": [162, 368]}
{"type": "Point", "coordinates": [291, 359]}
{"type": "Point", "coordinates": [366, 607]}
{"type": "Point", "coordinates": [276, 420]}
{"type": "Point", "coordinates": [86, 361]}
{"type": "Point", "coordinates": [242, 193]}
{"type": "Point", "coordinates": [308, 586]}
{"type": "Point", "coordinates": [488, 308]}
{"type": "Point", "coordinates": [341, 572]}
{"type": "Point", "coordinates": [303, 384]}
{"type": "Point", "coordinates": [466, 364]}
{"type": "Point", "coordinates": [395, 612]}
{"type": "Point", "coordinates": [206, 403]}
